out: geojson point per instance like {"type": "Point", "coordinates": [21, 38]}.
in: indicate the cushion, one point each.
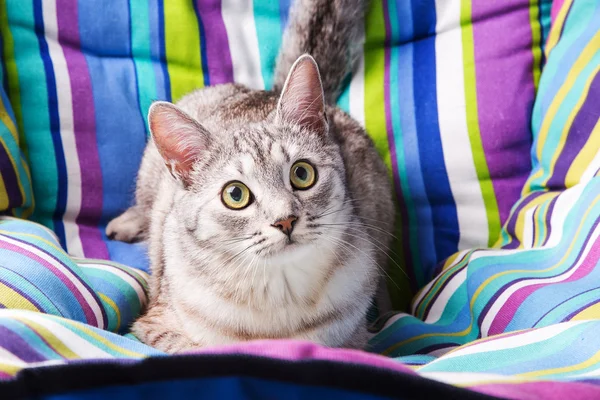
{"type": "Point", "coordinates": [16, 197]}
{"type": "Point", "coordinates": [545, 267]}
{"type": "Point", "coordinates": [444, 88]}
{"type": "Point", "coordinates": [37, 275]}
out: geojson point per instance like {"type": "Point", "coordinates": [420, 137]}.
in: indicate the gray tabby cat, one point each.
{"type": "Point", "coordinates": [268, 213]}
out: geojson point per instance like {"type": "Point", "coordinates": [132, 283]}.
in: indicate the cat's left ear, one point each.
{"type": "Point", "coordinates": [302, 100]}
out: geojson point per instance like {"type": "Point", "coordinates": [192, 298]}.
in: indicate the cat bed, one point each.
{"type": "Point", "coordinates": [483, 111]}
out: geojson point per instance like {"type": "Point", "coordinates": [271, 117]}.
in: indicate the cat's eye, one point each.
{"type": "Point", "coordinates": [236, 195]}
{"type": "Point", "coordinates": [303, 175]}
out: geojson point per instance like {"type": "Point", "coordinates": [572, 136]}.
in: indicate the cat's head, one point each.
{"type": "Point", "coordinates": [266, 190]}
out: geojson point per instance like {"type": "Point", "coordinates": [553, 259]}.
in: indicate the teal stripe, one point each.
{"type": "Point", "coordinates": [35, 110]}
{"type": "Point", "coordinates": [142, 55]}
{"type": "Point", "coordinates": [268, 32]}
{"type": "Point", "coordinates": [568, 307]}
{"type": "Point", "coordinates": [500, 359]}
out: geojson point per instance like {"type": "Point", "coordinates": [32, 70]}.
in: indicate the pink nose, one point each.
{"type": "Point", "coordinates": [286, 225]}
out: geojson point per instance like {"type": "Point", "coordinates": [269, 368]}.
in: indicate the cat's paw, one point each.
{"type": "Point", "coordinates": [127, 227]}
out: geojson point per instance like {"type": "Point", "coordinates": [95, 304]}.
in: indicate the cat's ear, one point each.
{"type": "Point", "coordinates": [179, 138]}
{"type": "Point", "coordinates": [302, 100]}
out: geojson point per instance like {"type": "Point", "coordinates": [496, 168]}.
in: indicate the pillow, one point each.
{"type": "Point", "coordinates": [546, 266]}
{"type": "Point", "coordinates": [444, 89]}
{"type": "Point", "coordinates": [16, 197]}
{"type": "Point", "coordinates": [36, 275]}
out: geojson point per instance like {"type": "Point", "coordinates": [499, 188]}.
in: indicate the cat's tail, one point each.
{"type": "Point", "coordinates": [329, 30]}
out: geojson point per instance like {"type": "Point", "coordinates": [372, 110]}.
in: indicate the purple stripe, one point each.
{"type": "Point", "coordinates": [407, 257]}
{"type": "Point", "coordinates": [10, 178]}
{"type": "Point", "coordinates": [15, 344]}
{"type": "Point", "coordinates": [85, 130]}
{"type": "Point", "coordinates": [579, 133]}
{"type": "Point", "coordinates": [87, 310]}
{"type": "Point", "coordinates": [505, 92]}
{"type": "Point", "coordinates": [294, 350]}
{"type": "Point", "coordinates": [220, 66]}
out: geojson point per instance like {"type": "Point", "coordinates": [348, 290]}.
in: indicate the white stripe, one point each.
{"type": "Point", "coordinates": [504, 297]}
{"type": "Point", "coordinates": [467, 378]}
{"type": "Point", "coordinates": [528, 224]}
{"type": "Point", "coordinates": [81, 347]}
{"type": "Point", "coordinates": [87, 294]}
{"type": "Point", "coordinates": [135, 285]}
{"type": "Point", "coordinates": [6, 357]}
{"type": "Point", "coordinates": [512, 342]}
{"type": "Point", "coordinates": [562, 208]}
{"type": "Point", "coordinates": [454, 133]}
{"type": "Point", "coordinates": [357, 92]}
{"type": "Point", "coordinates": [439, 305]}
{"type": "Point", "coordinates": [238, 16]}
{"type": "Point", "coordinates": [67, 131]}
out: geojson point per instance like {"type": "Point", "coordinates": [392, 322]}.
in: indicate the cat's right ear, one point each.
{"type": "Point", "coordinates": [179, 138]}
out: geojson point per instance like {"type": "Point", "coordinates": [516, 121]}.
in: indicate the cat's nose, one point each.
{"type": "Point", "coordinates": [286, 225]}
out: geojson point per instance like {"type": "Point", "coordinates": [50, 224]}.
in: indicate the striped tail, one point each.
{"type": "Point", "coordinates": [329, 30]}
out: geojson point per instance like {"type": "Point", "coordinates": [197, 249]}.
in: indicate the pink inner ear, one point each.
{"type": "Point", "coordinates": [180, 140]}
{"type": "Point", "coordinates": [302, 99]}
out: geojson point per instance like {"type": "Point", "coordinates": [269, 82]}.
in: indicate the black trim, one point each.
{"type": "Point", "coordinates": [88, 375]}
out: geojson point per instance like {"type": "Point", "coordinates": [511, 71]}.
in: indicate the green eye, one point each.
{"type": "Point", "coordinates": [303, 175]}
{"type": "Point", "coordinates": [236, 196]}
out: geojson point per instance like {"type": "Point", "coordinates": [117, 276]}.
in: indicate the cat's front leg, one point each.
{"type": "Point", "coordinates": [130, 227]}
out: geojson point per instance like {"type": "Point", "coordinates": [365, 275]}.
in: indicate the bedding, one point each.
{"type": "Point", "coordinates": [506, 255]}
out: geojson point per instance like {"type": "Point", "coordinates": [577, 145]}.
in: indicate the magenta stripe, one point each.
{"type": "Point", "coordinates": [220, 66]}
{"type": "Point", "coordinates": [506, 313]}
{"type": "Point", "coordinates": [547, 390]}
{"type": "Point", "coordinates": [556, 6]}
{"type": "Point", "coordinates": [85, 130]}
{"type": "Point", "coordinates": [294, 350]}
{"type": "Point", "coordinates": [505, 93]}
{"type": "Point", "coordinates": [85, 306]}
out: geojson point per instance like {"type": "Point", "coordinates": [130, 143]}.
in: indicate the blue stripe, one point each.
{"type": "Point", "coordinates": [437, 186]}
{"type": "Point", "coordinates": [407, 141]}
{"type": "Point", "coordinates": [61, 167]}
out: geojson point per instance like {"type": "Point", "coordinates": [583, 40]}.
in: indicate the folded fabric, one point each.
{"type": "Point", "coordinates": [40, 354]}
{"type": "Point", "coordinates": [37, 275]}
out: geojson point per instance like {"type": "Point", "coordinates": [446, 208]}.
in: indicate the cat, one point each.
{"type": "Point", "coordinates": [268, 214]}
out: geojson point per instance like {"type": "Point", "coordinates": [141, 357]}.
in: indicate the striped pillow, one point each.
{"type": "Point", "coordinates": [15, 184]}
{"type": "Point", "coordinates": [546, 267]}
{"type": "Point", "coordinates": [445, 88]}
{"type": "Point", "coordinates": [37, 275]}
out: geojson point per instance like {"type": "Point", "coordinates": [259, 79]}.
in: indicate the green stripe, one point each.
{"type": "Point", "coordinates": [182, 42]}
{"type": "Point", "coordinates": [376, 126]}
{"type": "Point", "coordinates": [483, 173]}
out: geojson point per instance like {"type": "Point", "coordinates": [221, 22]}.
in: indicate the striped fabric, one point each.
{"type": "Point", "coordinates": [546, 267]}
{"type": "Point", "coordinates": [37, 275]}
{"type": "Point", "coordinates": [447, 100]}
{"type": "Point", "coordinates": [517, 365]}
